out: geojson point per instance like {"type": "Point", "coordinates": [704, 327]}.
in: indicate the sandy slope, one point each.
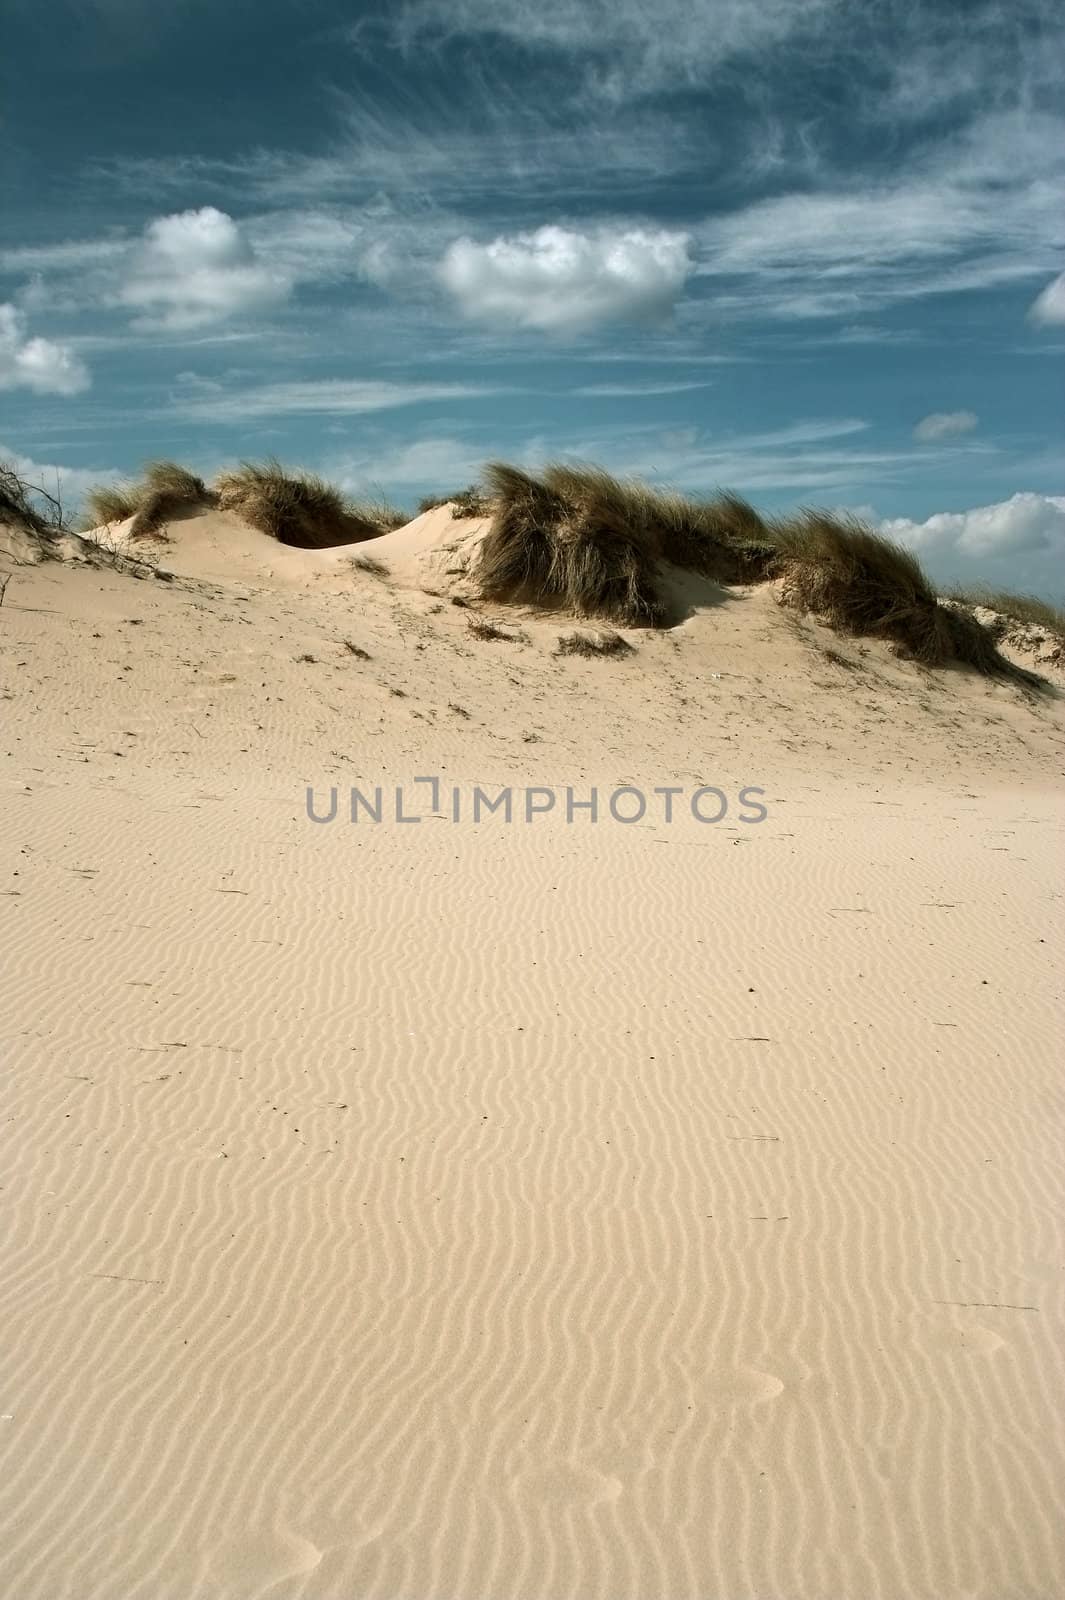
{"type": "Point", "coordinates": [464, 1212]}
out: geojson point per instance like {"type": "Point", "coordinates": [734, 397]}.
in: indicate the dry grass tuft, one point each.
{"type": "Point", "coordinates": [385, 516]}
{"type": "Point", "coordinates": [166, 490]}
{"type": "Point", "coordinates": [577, 537]}
{"type": "Point", "coordinates": [567, 537]}
{"type": "Point", "coordinates": [370, 564]}
{"type": "Point", "coordinates": [28, 507]}
{"type": "Point", "coordinates": [861, 583]}
{"type": "Point", "coordinates": [605, 642]}
{"type": "Point", "coordinates": [299, 508]}
{"type": "Point", "coordinates": [469, 502]}
{"type": "Point", "coordinates": [838, 660]}
{"type": "Point", "coordinates": [163, 491]}
{"type": "Point", "coordinates": [108, 502]}
{"type": "Point", "coordinates": [1025, 609]}
{"type": "Point", "coordinates": [481, 628]}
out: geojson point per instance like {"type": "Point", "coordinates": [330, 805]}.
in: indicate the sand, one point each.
{"type": "Point", "coordinates": [449, 1211]}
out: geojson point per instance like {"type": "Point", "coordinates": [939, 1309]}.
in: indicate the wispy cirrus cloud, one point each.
{"type": "Point", "coordinates": [634, 390]}
{"type": "Point", "coordinates": [625, 46]}
{"type": "Point", "coordinates": [204, 400]}
{"type": "Point", "coordinates": [978, 211]}
{"type": "Point", "coordinates": [903, 61]}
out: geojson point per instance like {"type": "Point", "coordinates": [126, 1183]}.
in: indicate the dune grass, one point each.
{"type": "Point", "coordinates": [1015, 608]}
{"type": "Point", "coordinates": [574, 537]}
{"type": "Point", "coordinates": [861, 583]}
{"type": "Point", "coordinates": [300, 508]}
{"type": "Point", "coordinates": [469, 502]}
{"type": "Point", "coordinates": [577, 537]}
{"type": "Point", "coordinates": [163, 490]}
{"type": "Point", "coordinates": [108, 502]}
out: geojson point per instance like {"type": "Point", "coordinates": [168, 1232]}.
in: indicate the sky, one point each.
{"type": "Point", "coordinates": [808, 250]}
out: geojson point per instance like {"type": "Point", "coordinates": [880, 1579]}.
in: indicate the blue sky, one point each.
{"type": "Point", "coordinates": [806, 249]}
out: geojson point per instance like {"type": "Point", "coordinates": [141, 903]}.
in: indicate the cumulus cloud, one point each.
{"type": "Point", "coordinates": [1025, 525]}
{"type": "Point", "coordinates": [37, 364]}
{"type": "Point", "coordinates": [1049, 307]}
{"type": "Point", "coordinates": [563, 280]}
{"type": "Point", "coordinates": [945, 425]}
{"type": "Point", "coordinates": [198, 267]}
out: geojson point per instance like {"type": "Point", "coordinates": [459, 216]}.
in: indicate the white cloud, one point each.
{"type": "Point", "coordinates": [198, 267]}
{"type": "Point", "coordinates": [637, 391]}
{"type": "Point", "coordinates": [204, 400]}
{"type": "Point", "coordinates": [37, 364]}
{"type": "Point", "coordinates": [818, 459]}
{"type": "Point", "coordinates": [945, 425]}
{"type": "Point", "coordinates": [978, 210]}
{"type": "Point", "coordinates": [1049, 307]}
{"type": "Point", "coordinates": [67, 484]}
{"type": "Point", "coordinates": [442, 464]}
{"type": "Point", "coordinates": [1026, 525]}
{"type": "Point", "coordinates": [73, 255]}
{"type": "Point", "coordinates": [629, 46]}
{"type": "Point", "coordinates": [562, 280]}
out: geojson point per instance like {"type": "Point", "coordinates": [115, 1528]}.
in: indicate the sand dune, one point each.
{"type": "Point", "coordinates": [539, 1210]}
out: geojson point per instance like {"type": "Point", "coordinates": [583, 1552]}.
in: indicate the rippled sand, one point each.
{"type": "Point", "coordinates": [451, 1212]}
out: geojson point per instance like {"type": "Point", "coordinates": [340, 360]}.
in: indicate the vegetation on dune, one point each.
{"type": "Point", "coordinates": [164, 490]}
{"type": "Point", "coordinates": [108, 502]}
{"type": "Point", "coordinates": [469, 502]}
{"type": "Point", "coordinates": [604, 643]}
{"type": "Point", "coordinates": [370, 564]}
{"type": "Point", "coordinates": [576, 536]}
{"type": "Point", "coordinates": [483, 628]}
{"type": "Point", "coordinates": [299, 508]}
{"type": "Point", "coordinates": [861, 583]}
{"type": "Point", "coordinates": [572, 537]}
{"type": "Point", "coordinates": [27, 506]}
{"type": "Point", "coordinates": [1014, 608]}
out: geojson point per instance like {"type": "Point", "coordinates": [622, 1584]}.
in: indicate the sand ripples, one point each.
{"type": "Point", "coordinates": [526, 1216]}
